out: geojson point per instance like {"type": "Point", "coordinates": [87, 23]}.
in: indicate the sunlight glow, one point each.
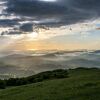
{"type": "Point", "coordinates": [48, 0]}
{"type": "Point", "coordinates": [32, 36]}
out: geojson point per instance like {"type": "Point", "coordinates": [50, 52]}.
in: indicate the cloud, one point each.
{"type": "Point", "coordinates": [22, 15]}
{"type": "Point", "coordinates": [8, 22]}
{"type": "Point", "coordinates": [28, 27]}
{"type": "Point", "coordinates": [34, 7]}
{"type": "Point", "coordinates": [68, 11]}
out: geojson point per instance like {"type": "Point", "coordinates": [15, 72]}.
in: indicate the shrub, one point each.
{"type": "Point", "coordinates": [2, 84]}
{"type": "Point", "coordinates": [56, 74]}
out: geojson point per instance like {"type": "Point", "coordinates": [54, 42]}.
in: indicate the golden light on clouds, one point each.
{"type": "Point", "coordinates": [76, 36]}
{"type": "Point", "coordinates": [49, 45]}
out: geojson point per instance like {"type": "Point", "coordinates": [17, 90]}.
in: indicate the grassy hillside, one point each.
{"type": "Point", "coordinates": [82, 84]}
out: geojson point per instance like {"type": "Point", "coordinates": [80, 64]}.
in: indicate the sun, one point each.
{"type": "Point", "coordinates": [32, 35]}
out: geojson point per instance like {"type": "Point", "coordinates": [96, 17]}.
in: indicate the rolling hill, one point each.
{"type": "Point", "coordinates": [82, 84]}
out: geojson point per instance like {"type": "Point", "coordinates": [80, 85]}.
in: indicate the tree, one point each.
{"type": "Point", "coordinates": [2, 84]}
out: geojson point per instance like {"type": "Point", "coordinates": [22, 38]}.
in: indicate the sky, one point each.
{"type": "Point", "coordinates": [49, 24]}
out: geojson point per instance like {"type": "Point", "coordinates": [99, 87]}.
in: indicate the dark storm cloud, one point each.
{"type": "Point", "coordinates": [34, 7]}
{"type": "Point", "coordinates": [8, 22]}
{"type": "Point", "coordinates": [53, 14]}
{"type": "Point", "coordinates": [68, 11]}
{"type": "Point", "coordinates": [28, 27]}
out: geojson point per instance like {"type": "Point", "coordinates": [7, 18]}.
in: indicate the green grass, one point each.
{"type": "Point", "coordinates": [82, 84]}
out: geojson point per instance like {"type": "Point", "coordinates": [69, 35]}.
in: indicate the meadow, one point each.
{"type": "Point", "coordinates": [81, 84]}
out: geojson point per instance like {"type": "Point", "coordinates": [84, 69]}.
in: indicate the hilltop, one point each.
{"type": "Point", "coordinates": [82, 84]}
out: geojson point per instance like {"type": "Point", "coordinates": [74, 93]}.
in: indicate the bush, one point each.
{"type": "Point", "coordinates": [2, 84]}
{"type": "Point", "coordinates": [60, 73]}
{"type": "Point", "coordinates": [56, 74]}
{"type": "Point", "coordinates": [11, 82]}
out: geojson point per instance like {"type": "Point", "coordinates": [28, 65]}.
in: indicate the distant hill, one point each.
{"type": "Point", "coordinates": [26, 63]}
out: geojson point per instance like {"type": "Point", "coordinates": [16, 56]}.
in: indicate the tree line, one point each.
{"type": "Point", "coordinates": [55, 74]}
